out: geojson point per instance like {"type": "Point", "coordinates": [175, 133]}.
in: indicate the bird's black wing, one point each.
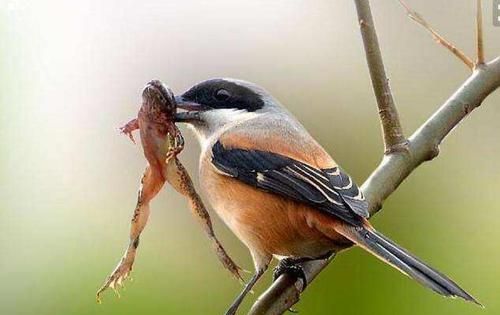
{"type": "Point", "coordinates": [330, 190]}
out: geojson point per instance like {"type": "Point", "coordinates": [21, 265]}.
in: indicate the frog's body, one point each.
{"type": "Point", "coordinates": [154, 142]}
{"type": "Point", "coordinates": [161, 141]}
{"type": "Point", "coordinates": [159, 135]}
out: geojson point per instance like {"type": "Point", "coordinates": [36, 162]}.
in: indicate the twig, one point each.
{"type": "Point", "coordinates": [286, 290]}
{"type": "Point", "coordinates": [422, 146]}
{"type": "Point", "coordinates": [479, 33]}
{"type": "Point", "coordinates": [415, 16]}
{"type": "Point", "coordinates": [424, 143]}
{"type": "Point", "coordinates": [394, 168]}
{"type": "Point", "coordinates": [394, 139]}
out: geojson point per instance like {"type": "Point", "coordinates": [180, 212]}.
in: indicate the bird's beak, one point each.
{"type": "Point", "coordinates": [192, 112]}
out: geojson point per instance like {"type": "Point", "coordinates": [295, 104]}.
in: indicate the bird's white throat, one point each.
{"type": "Point", "coordinates": [215, 122]}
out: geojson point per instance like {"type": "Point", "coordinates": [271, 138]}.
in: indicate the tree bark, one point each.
{"type": "Point", "coordinates": [392, 132]}
{"type": "Point", "coordinates": [423, 146]}
{"type": "Point", "coordinates": [401, 156]}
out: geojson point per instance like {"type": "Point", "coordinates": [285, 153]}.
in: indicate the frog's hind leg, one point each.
{"type": "Point", "coordinates": [151, 183]}
{"type": "Point", "coordinates": [179, 178]}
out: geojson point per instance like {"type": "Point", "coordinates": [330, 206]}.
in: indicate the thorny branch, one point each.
{"type": "Point", "coordinates": [394, 168]}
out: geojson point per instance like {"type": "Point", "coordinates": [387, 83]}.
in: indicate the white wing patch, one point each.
{"type": "Point", "coordinates": [315, 183]}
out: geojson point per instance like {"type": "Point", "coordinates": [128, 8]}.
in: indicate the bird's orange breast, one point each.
{"type": "Point", "coordinates": [267, 223]}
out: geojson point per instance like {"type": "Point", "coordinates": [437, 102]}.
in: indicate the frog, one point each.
{"type": "Point", "coordinates": [162, 142]}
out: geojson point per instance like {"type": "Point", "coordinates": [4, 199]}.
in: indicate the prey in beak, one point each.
{"type": "Point", "coordinates": [192, 110]}
{"type": "Point", "coordinates": [162, 142]}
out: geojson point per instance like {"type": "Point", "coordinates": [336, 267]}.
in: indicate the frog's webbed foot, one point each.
{"type": "Point", "coordinates": [175, 146]}
{"type": "Point", "coordinates": [119, 275]}
{"type": "Point", "coordinates": [129, 127]}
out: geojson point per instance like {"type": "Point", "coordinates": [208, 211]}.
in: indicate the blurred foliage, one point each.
{"type": "Point", "coordinates": [71, 73]}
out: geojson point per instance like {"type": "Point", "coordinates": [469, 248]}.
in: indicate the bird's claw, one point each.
{"type": "Point", "coordinates": [291, 267]}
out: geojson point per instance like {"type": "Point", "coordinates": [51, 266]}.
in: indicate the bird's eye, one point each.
{"type": "Point", "coordinates": [222, 94]}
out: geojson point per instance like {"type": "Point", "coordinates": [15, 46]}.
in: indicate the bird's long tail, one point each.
{"type": "Point", "coordinates": [383, 248]}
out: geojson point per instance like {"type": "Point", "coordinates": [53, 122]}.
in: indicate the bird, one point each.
{"type": "Point", "coordinates": [279, 191]}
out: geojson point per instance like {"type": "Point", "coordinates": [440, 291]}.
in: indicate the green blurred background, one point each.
{"type": "Point", "coordinates": [71, 72]}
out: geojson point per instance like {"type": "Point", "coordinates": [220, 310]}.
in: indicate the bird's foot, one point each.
{"type": "Point", "coordinates": [292, 267]}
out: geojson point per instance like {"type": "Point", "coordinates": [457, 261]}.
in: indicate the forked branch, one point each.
{"type": "Point", "coordinates": [424, 143]}
{"type": "Point", "coordinates": [422, 146]}
{"type": "Point", "coordinates": [392, 171]}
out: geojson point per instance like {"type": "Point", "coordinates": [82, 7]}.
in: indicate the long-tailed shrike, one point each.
{"type": "Point", "coordinates": [278, 190]}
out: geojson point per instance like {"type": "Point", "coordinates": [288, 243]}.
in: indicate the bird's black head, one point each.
{"type": "Point", "coordinates": [221, 94]}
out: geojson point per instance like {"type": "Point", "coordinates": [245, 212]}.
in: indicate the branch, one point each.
{"type": "Point", "coordinates": [286, 290]}
{"type": "Point", "coordinates": [437, 37]}
{"type": "Point", "coordinates": [394, 139]}
{"type": "Point", "coordinates": [395, 167]}
{"type": "Point", "coordinates": [424, 143]}
{"type": "Point", "coordinates": [479, 33]}
{"type": "Point", "coordinates": [423, 146]}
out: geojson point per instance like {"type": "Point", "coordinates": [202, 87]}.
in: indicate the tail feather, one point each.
{"type": "Point", "coordinates": [389, 252]}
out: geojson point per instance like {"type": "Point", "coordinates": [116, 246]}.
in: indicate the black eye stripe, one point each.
{"type": "Point", "coordinates": [220, 93]}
